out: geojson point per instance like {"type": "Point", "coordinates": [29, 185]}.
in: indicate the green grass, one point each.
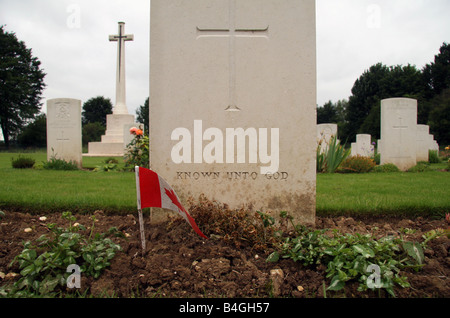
{"type": "Point", "coordinates": [399, 193]}
{"type": "Point", "coordinates": [37, 190]}
{"type": "Point", "coordinates": [396, 193]}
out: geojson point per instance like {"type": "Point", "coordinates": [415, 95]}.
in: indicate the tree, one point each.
{"type": "Point", "coordinates": [143, 116]}
{"type": "Point", "coordinates": [377, 83]}
{"type": "Point", "coordinates": [436, 76]}
{"type": "Point", "coordinates": [92, 132]}
{"type": "Point", "coordinates": [35, 133]}
{"type": "Point", "coordinates": [439, 119]}
{"type": "Point", "coordinates": [333, 113]}
{"type": "Point", "coordinates": [96, 109]}
{"type": "Point", "coordinates": [21, 85]}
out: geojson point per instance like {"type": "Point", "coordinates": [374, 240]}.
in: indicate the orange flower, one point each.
{"type": "Point", "coordinates": [139, 132]}
{"type": "Point", "coordinates": [133, 130]}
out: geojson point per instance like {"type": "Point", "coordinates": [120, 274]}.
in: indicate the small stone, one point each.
{"type": "Point", "coordinates": [277, 277]}
{"type": "Point", "coordinates": [43, 218]}
{"type": "Point", "coordinates": [28, 230]}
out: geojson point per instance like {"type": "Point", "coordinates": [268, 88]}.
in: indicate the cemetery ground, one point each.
{"type": "Point", "coordinates": [391, 213]}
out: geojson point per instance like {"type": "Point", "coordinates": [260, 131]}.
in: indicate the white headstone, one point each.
{"type": "Point", "coordinates": [64, 130]}
{"type": "Point", "coordinates": [423, 133]}
{"type": "Point", "coordinates": [363, 146]}
{"type": "Point", "coordinates": [232, 102]}
{"type": "Point", "coordinates": [324, 134]}
{"type": "Point", "coordinates": [399, 132]}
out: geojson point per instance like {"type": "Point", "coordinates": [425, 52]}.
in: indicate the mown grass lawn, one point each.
{"type": "Point", "coordinates": [37, 190]}
{"type": "Point", "coordinates": [406, 193]}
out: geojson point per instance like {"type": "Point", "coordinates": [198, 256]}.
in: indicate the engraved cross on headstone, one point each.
{"type": "Point", "coordinates": [232, 33]}
{"type": "Point", "coordinates": [400, 126]}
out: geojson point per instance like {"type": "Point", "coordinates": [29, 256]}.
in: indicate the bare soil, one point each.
{"type": "Point", "coordinates": [179, 264]}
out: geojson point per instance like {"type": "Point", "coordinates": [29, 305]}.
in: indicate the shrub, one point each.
{"type": "Point", "coordinates": [59, 164]}
{"type": "Point", "coordinates": [357, 164]}
{"type": "Point", "coordinates": [387, 167]}
{"type": "Point", "coordinates": [22, 162]}
{"type": "Point", "coordinates": [433, 156]}
{"type": "Point", "coordinates": [421, 166]}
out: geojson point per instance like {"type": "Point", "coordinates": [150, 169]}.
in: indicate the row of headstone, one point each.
{"type": "Point", "coordinates": [403, 142]}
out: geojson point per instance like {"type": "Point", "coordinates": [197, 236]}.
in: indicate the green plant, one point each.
{"type": "Point", "coordinates": [349, 257]}
{"type": "Point", "coordinates": [137, 152]}
{"type": "Point", "coordinates": [110, 164]}
{"type": "Point", "coordinates": [357, 164]}
{"type": "Point", "coordinates": [59, 164]}
{"type": "Point", "coordinates": [433, 156]}
{"type": "Point", "coordinates": [2, 214]}
{"type": "Point", "coordinates": [421, 166]}
{"type": "Point", "coordinates": [43, 266]}
{"type": "Point", "coordinates": [334, 154]}
{"type": "Point", "coordinates": [387, 167]}
{"type": "Point", "coordinates": [22, 162]}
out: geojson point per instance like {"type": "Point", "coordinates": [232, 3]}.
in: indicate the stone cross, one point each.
{"type": "Point", "coordinates": [232, 32]}
{"type": "Point", "coordinates": [120, 107]}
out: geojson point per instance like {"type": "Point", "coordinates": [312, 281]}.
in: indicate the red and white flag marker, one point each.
{"type": "Point", "coordinates": [154, 191]}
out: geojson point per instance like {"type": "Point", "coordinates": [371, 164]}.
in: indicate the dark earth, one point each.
{"type": "Point", "coordinates": [180, 264]}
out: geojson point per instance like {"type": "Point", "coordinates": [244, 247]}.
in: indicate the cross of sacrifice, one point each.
{"type": "Point", "coordinates": [120, 107]}
{"type": "Point", "coordinates": [232, 33]}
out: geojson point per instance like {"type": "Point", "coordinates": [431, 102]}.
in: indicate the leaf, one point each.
{"type": "Point", "coordinates": [27, 270]}
{"type": "Point", "coordinates": [364, 251]}
{"type": "Point", "coordinates": [336, 284]}
{"type": "Point", "coordinates": [414, 250]}
{"type": "Point", "coordinates": [273, 258]}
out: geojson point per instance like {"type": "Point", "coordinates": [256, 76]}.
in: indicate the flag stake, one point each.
{"type": "Point", "coordinates": [141, 221]}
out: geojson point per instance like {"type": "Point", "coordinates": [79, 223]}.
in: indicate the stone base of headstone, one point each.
{"type": "Point", "coordinates": [112, 143]}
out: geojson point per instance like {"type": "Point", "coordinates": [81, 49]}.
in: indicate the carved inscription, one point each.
{"type": "Point", "coordinates": [230, 175]}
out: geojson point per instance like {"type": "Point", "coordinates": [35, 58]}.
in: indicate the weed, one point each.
{"type": "Point", "coordinates": [349, 257]}
{"type": "Point", "coordinates": [22, 162]}
{"type": "Point", "coordinates": [433, 156]}
{"type": "Point", "coordinates": [59, 164]}
{"type": "Point", "coordinates": [43, 266]}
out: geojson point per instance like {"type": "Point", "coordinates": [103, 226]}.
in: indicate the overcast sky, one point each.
{"type": "Point", "coordinates": [70, 38]}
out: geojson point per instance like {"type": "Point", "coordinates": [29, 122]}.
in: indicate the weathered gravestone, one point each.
{"type": "Point", "coordinates": [232, 102]}
{"type": "Point", "coordinates": [423, 142]}
{"type": "Point", "coordinates": [324, 134]}
{"type": "Point", "coordinates": [399, 132]}
{"type": "Point", "coordinates": [64, 130]}
{"type": "Point", "coordinates": [363, 146]}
